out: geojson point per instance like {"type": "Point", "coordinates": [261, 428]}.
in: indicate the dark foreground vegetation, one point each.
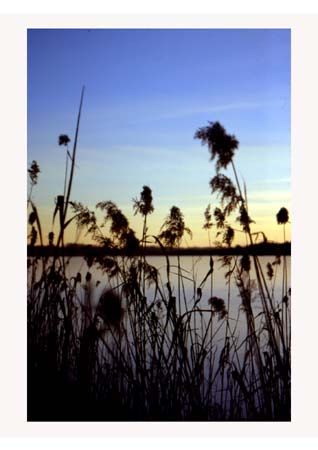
{"type": "Point", "coordinates": [164, 357]}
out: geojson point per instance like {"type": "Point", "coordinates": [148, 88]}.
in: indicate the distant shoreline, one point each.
{"type": "Point", "coordinates": [263, 249]}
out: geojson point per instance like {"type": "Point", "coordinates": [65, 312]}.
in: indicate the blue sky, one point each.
{"type": "Point", "coordinates": [147, 92]}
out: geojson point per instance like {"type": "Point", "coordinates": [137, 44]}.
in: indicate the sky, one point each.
{"type": "Point", "coordinates": [147, 91]}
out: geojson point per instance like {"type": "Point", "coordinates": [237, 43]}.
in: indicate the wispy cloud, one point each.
{"type": "Point", "coordinates": [166, 109]}
{"type": "Point", "coordinates": [219, 108]}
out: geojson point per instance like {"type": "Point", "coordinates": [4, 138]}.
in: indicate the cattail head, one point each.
{"type": "Point", "coordinates": [32, 217]}
{"type": "Point", "coordinates": [282, 216]}
{"type": "Point", "coordinates": [217, 307]}
{"type": "Point", "coordinates": [34, 172]}
{"type": "Point", "coordinates": [220, 144]}
{"type": "Point", "coordinates": [174, 228]}
{"type": "Point", "coordinates": [228, 235]}
{"type": "Point", "coordinates": [208, 218]}
{"type": "Point", "coordinates": [109, 308]}
{"type": "Point", "coordinates": [144, 205]}
{"type": "Point", "coordinates": [64, 139]}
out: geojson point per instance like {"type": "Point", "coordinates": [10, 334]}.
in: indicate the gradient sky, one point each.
{"type": "Point", "coordinates": [147, 92]}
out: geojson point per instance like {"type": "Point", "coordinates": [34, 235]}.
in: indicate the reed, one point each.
{"type": "Point", "coordinates": [141, 352]}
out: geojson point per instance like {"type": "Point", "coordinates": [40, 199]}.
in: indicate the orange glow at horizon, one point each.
{"type": "Point", "coordinates": [266, 224]}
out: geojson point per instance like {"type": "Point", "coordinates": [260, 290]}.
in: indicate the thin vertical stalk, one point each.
{"type": "Point", "coordinates": [69, 188]}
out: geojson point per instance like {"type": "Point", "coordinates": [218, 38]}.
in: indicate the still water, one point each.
{"type": "Point", "coordinates": [194, 270]}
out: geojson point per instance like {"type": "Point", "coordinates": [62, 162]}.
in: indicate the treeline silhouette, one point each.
{"type": "Point", "coordinates": [261, 249]}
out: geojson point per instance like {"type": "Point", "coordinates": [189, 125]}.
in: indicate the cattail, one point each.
{"type": "Point", "coordinates": [144, 206]}
{"type": "Point", "coordinates": [282, 216]}
{"type": "Point", "coordinates": [217, 307]}
{"type": "Point", "coordinates": [109, 308]}
{"type": "Point", "coordinates": [174, 228]}
{"type": "Point", "coordinates": [221, 145]}
{"type": "Point", "coordinates": [32, 218]}
{"type": "Point", "coordinates": [34, 172]}
{"type": "Point", "coordinates": [64, 139]}
{"type": "Point", "coordinates": [208, 218]}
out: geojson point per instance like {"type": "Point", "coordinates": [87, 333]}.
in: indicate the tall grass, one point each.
{"type": "Point", "coordinates": [143, 352]}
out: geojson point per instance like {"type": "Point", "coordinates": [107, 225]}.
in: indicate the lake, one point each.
{"type": "Point", "coordinates": [193, 270]}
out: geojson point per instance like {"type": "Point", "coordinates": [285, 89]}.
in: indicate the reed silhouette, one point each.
{"type": "Point", "coordinates": [147, 351]}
